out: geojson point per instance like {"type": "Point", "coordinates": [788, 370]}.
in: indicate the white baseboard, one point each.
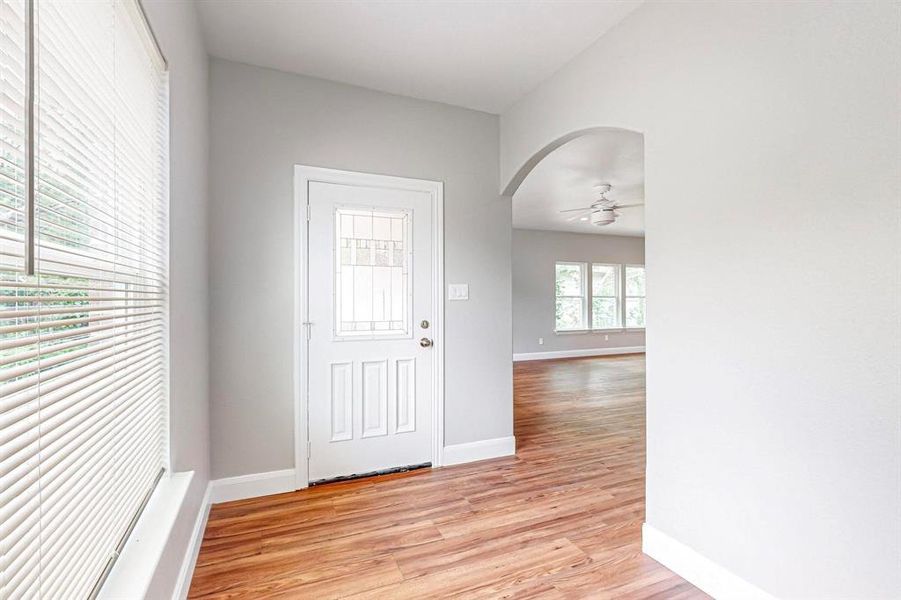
{"type": "Point", "coordinates": [481, 450]}
{"type": "Point", "coordinates": [576, 353]}
{"type": "Point", "coordinates": [697, 569]}
{"type": "Point", "coordinates": [190, 560]}
{"type": "Point", "coordinates": [252, 486]}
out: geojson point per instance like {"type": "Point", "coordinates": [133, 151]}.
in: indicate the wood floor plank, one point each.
{"type": "Point", "coordinates": [560, 520]}
{"type": "Point", "coordinates": [315, 581]}
{"type": "Point", "coordinates": [489, 576]}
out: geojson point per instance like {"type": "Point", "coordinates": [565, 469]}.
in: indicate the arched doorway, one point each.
{"type": "Point", "coordinates": [529, 165]}
{"type": "Point", "coordinates": [578, 222]}
{"type": "Point", "coordinates": [578, 321]}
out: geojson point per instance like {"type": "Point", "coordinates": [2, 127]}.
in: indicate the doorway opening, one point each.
{"type": "Point", "coordinates": [580, 298]}
{"type": "Point", "coordinates": [578, 248]}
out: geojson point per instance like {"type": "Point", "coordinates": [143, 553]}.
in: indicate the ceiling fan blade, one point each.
{"type": "Point", "coordinates": [618, 206]}
{"type": "Point", "coordinates": [576, 209]}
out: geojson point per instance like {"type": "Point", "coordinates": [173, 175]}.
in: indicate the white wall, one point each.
{"type": "Point", "coordinates": [176, 28]}
{"type": "Point", "coordinates": [773, 251]}
{"type": "Point", "coordinates": [534, 256]}
{"type": "Point", "coordinates": [263, 123]}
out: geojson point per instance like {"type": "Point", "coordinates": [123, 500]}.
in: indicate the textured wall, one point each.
{"type": "Point", "coordinates": [263, 123]}
{"type": "Point", "coordinates": [177, 30]}
{"type": "Point", "coordinates": [772, 153]}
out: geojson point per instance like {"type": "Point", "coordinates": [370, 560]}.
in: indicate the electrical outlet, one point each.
{"type": "Point", "coordinates": [541, 341]}
{"type": "Point", "coordinates": [606, 338]}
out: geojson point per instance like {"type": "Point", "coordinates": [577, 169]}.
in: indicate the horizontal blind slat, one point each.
{"type": "Point", "coordinates": [49, 368]}
{"type": "Point", "coordinates": [81, 373]}
{"type": "Point", "coordinates": [22, 474]}
{"type": "Point", "coordinates": [32, 340]}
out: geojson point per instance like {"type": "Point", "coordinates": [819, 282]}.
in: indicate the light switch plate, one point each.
{"type": "Point", "coordinates": [458, 291]}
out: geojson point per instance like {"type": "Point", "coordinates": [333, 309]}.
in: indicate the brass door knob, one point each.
{"type": "Point", "coordinates": [425, 342]}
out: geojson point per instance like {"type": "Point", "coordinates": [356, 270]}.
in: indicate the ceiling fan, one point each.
{"type": "Point", "coordinates": [602, 211]}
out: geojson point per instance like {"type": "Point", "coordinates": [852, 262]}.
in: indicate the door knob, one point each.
{"type": "Point", "coordinates": [425, 342]}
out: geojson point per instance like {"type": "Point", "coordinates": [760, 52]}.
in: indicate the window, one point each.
{"type": "Point", "coordinates": [83, 289]}
{"type": "Point", "coordinates": [372, 274]}
{"type": "Point", "coordinates": [13, 125]}
{"type": "Point", "coordinates": [605, 296]}
{"type": "Point", "coordinates": [617, 296]}
{"type": "Point", "coordinates": [571, 307]}
{"type": "Point", "coordinates": [635, 296]}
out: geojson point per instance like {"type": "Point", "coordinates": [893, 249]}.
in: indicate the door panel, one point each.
{"type": "Point", "coordinates": [370, 256]}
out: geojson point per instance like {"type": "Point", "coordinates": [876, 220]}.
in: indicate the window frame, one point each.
{"type": "Point", "coordinates": [585, 312]}
{"type": "Point", "coordinates": [618, 297]}
{"type": "Point", "coordinates": [587, 269]}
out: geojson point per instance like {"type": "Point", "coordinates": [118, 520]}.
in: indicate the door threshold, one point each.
{"type": "Point", "coordinates": [425, 465]}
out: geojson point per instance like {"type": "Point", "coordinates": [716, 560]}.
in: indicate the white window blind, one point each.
{"type": "Point", "coordinates": [83, 340]}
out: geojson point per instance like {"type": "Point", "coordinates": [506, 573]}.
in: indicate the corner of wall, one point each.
{"type": "Point", "coordinates": [696, 568]}
{"type": "Point", "coordinates": [177, 28]}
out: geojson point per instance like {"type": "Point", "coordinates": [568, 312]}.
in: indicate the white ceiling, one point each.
{"type": "Point", "coordinates": [568, 176]}
{"type": "Point", "coordinates": [478, 54]}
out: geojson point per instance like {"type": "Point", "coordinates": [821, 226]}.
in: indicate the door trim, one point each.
{"type": "Point", "coordinates": [303, 176]}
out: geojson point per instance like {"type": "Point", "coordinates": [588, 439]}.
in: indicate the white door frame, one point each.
{"type": "Point", "coordinates": [303, 176]}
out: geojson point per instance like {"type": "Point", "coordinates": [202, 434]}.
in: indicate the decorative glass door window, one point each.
{"type": "Point", "coordinates": [373, 275]}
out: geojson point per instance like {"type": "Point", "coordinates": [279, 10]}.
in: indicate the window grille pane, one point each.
{"type": "Point", "coordinates": [569, 313]}
{"type": "Point", "coordinates": [603, 280]}
{"type": "Point", "coordinates": [569, 287]}
{"type": "Point", "coordinates": [635, 312]}
{"type": "Point", "coordinates": [635, 281]}
{"type": "Point", "coordinates": [603, 313]}
{"type": "Point", "coordinates": [569, 280]}
{"type": "Point", "coordinates": [373, 280]}
{"type": "Point", "coordinates": [635, 297]}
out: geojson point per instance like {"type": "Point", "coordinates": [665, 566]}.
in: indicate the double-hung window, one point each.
{"type": "Point", "coordinates": [83, 288]}
{"type": "Point", "coordinates": [616, 300]}
{"type": "Point", "coordinates": [570, 286]}
{"type": "Point", "coordinates": [605, 295]}
{"type": "Point", "coordinates": [635, 296]}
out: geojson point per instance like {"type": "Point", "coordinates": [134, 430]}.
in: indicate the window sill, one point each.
{"type": "Point", "coordinates": [588, 331]}
{"type": "Point", "coordinates": [132, 572]}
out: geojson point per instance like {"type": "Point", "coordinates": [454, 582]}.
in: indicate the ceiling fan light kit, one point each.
{"type": "Point", "coordinates": [602, 217]}
{"type": "Point", "coordinates": [603, 210]}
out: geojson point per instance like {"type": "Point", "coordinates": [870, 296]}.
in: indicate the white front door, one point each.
{"type": "Point", "coordinates": [370, 253]}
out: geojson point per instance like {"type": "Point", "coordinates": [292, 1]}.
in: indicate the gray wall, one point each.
{"type": "Point", "coordinates": [773, 228]}
{"type": "Point", "coordinates": [534, 256]}
{"type": "Point", "coordinates": [177, 30]}
{"type": "Point", "coordinates": [263, 123]}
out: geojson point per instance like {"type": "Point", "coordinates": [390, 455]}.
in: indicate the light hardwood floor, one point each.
{"type": "Point", "coordinates": [562, 519]}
